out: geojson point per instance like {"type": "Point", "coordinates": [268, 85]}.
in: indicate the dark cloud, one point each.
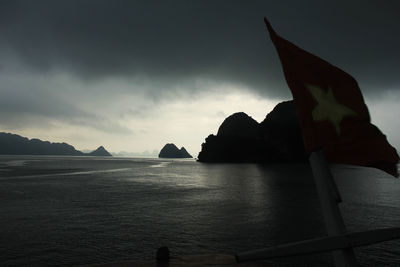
{"type": "Point", "coordinates": [175, 41]}
{"type": "Point", "coordinates": [27, 101]}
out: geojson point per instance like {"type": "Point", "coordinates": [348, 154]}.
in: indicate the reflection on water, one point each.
{"type": "Point", "coordinates": [66, 173]}
{"type": "Point", "coordinates": [71, 211]}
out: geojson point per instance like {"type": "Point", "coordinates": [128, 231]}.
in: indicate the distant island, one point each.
{"type": "Point", "coordinates": [172, 151]}
{"type": "Point", "coordinates": [13, 144]}
{"type": "Point", "coordinates": [99, 152]}
{"type": "Point", "coordinates": [242, 139]}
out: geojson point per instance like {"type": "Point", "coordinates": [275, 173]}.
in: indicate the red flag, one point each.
{"type": "Point", "coordinates": [331, 110]}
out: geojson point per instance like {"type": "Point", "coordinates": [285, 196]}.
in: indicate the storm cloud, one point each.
{"type": "Point", "coordinates": [178, 41]}
{"type": "Point", "coordinates": [100, 63]}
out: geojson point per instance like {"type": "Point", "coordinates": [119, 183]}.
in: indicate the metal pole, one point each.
{"type": "Point", "coordinates": [329, 199]}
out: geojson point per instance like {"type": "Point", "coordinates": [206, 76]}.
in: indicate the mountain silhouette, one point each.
{"type": "Point", "coordinates": [241, 139]}
{"type": "Point", "coordinates": [100, 151]}
{"type": "Point", "coordinates": [241, 125]}
{"type": "Point", "coordinates": [171, 151]}
{"type": "Point", "coordinates": [13, 144]}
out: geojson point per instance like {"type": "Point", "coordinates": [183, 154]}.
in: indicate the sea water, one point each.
{"type": "Point", "coordinates": [63, 211]}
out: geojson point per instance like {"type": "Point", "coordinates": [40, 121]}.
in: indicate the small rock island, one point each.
{"type": "Point", "coordinates": [172, 151]}
{"type": "Point", "coordinates": [99, 152]}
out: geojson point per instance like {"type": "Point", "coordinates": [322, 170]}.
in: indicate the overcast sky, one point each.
{"type": "Point", "coordinates": [134, 75]}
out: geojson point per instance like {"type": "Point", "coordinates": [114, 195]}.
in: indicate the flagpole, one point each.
{"type": "Point", "coordinates": [329, 199]}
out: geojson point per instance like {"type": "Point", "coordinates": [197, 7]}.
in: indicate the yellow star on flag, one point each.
{"type": "Point", "coordinates": [328, 108]}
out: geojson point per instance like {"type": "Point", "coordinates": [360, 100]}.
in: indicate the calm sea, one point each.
{"type": "Point", "coordinates": [63, 211]}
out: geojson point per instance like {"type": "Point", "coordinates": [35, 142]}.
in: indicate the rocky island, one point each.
{"type": "Point", "coordinates": [99, 152]}
{"type": "Point", "coordinates": [172, 151]}
{"type": "Point", "coordinates": [242, 139]}
{"type": "Point", "coordinates": [13, 144]}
